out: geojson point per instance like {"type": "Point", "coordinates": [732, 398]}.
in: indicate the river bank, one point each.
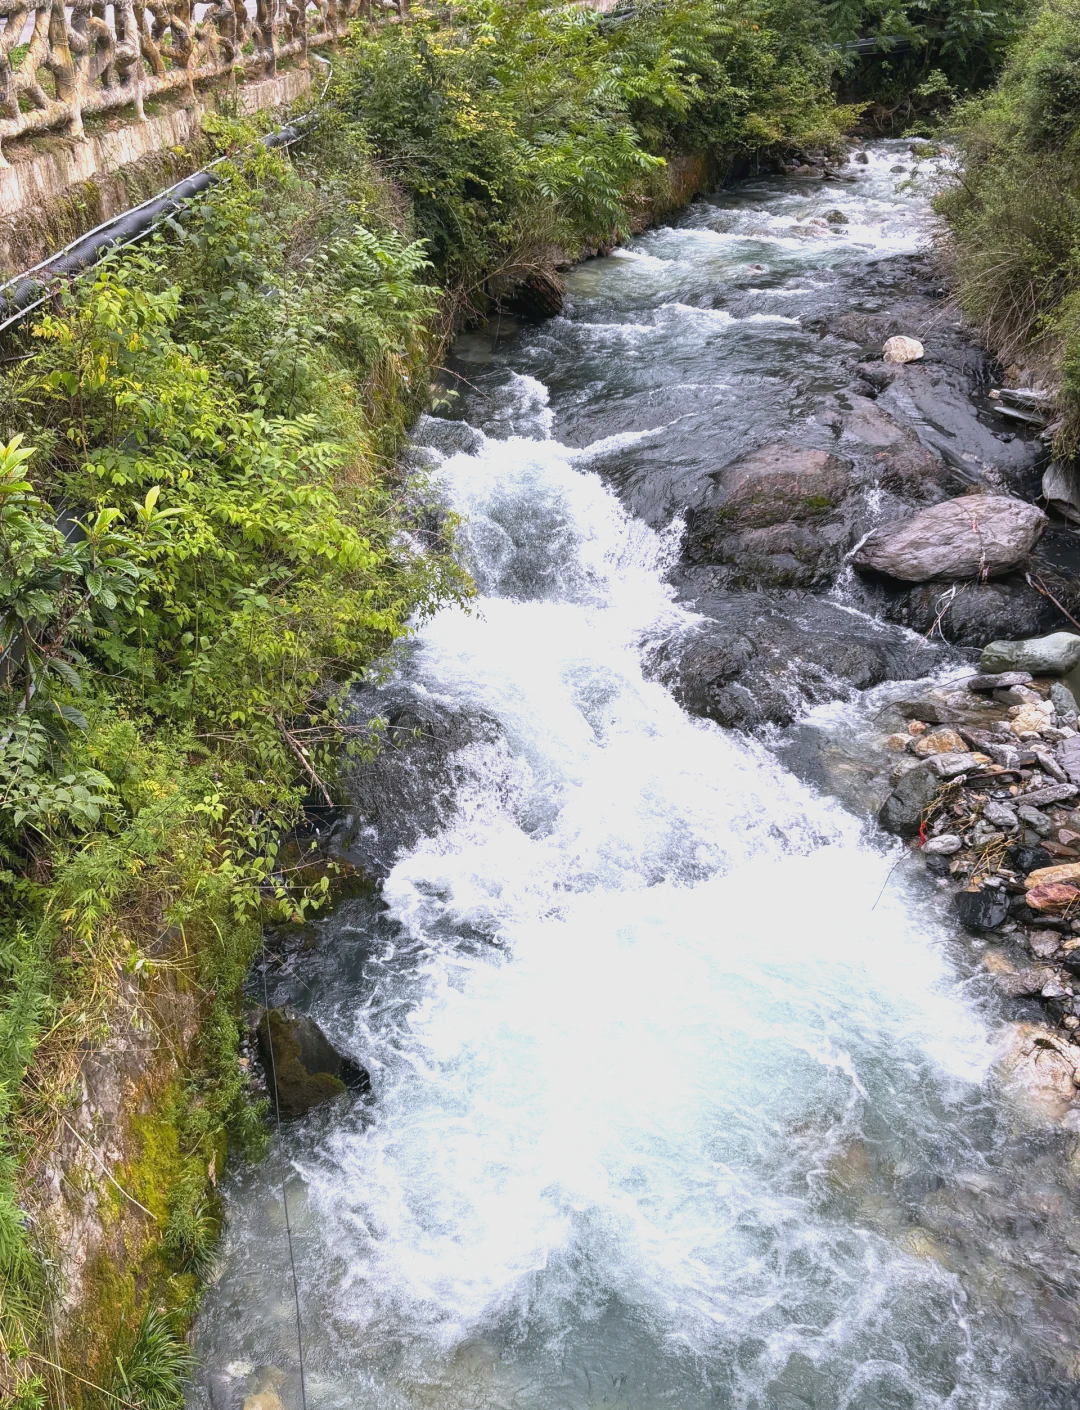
{"type": "Point", "coordinates": [684, 1083]}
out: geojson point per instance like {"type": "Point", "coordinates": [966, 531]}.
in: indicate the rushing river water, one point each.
{"type": "Point", "coordinates": [678, 1099]}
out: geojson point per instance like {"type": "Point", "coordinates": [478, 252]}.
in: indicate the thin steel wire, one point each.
{"type": "Point", "coordinates": [284, 1195]}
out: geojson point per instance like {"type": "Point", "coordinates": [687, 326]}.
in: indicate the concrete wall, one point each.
{"type": "Point", "coordinates": [57, 188]}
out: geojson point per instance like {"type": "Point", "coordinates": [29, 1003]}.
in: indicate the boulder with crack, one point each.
{"type": "Point", "coordinates": [975, 536]}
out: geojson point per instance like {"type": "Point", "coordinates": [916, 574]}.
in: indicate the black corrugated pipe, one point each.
{"type": "Point", "coordinates": [28, 291]}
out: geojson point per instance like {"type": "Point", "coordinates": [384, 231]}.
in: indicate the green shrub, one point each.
{"type": "Point", "coordinates": [1014, 210]}
{"type": "Point", "coordinates": [947, 49]}
{"type": "Point", "coordinates": [512, 124]}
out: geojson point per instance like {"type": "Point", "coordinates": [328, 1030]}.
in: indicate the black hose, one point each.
{"type": "Point", "coordinates": [24, 293]}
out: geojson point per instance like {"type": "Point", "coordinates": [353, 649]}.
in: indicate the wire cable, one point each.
{"type": "Point", "coordinates": [284, 1195]}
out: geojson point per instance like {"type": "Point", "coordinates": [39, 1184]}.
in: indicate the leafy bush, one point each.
{"type": "Point", "coordinates": [926, 53]}
{"type": "Point", "coordinates": [204, 540]}
{"type": "Point", "coordinates": [509, 120]}
{"type": "Point", "coordinates": [153, 1373]}
{"type": "Point", "coordinates": [1014, 210]}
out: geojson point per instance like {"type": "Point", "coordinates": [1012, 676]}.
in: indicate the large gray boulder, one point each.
{"type": "Point", "coordinates": [775, 519]}
{"type": "Point", "coordinates": [974, 536]}
{"type": "Point", "coordinates": [903, 809]}
{"type": "Point", "coordinates": [1054, 655]}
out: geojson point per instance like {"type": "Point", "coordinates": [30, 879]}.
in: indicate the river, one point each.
{"type": "Point", "coordinates": [682, 1095]}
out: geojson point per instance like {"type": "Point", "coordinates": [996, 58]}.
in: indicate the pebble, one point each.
{"type": "Point", "coordinates": [1067, 871]}
{"type": "Point", "coordinates": [1000, 815]}
{"type": "Point", "coordinates": [902, 349]}
{"type": "Point", "coordinates": [1044, 943]}
{"type": "Point", "coordinates": [950, 765]}
{"type": "Point", "coordinates": [1051, 896]}
{"type": "Point", "coordinates": [1064, 703]}
{"type": "Point", "coordinates": [1017, 695]}
{"type": "Point", "coordinates": [1053, 793]}
{"type": "Point", "coordinates": [940, 741]}
{"type": "Point", "coordinates": [944, 845]}
{"type": "Point", "coordinates": [896, 743]}
{"type": "Point", "coordinates": [1030, 719]}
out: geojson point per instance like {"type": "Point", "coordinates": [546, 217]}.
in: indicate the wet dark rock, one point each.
{"type": "Point", "coordinates": [937, 864]}
{"type": "Point", "coordinates": [877, 375]}
{"type": "Point", "coordinates": [409, 789]}
{"type": "Point", "coordinates": [935, 398]}
{"type": "Point", "coordinates": [973, 614]}
{"type": "Point", "coordinates": [1025, 859]}
{"type": "Point", "coordinates": [982, 910]}
{"type": "Point", "coordinates": [759, 659]}
{"type": "Point", "coordinates": [304, 1066]}
{"type": "Point", "coordinates": [903, 810]}
{"type": "Point", "coordinates": [1019, 910]}
{"type": "Point", "coordinates": [973, 536]}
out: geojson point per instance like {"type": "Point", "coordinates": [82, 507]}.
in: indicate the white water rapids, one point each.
{"type": "Point", "coordinates": [649, 1028]}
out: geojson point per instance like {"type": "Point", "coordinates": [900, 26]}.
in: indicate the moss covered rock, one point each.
{"type": "Point", "coordinates": [303, 1068]}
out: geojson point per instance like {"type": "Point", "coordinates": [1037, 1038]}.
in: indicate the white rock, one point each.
{"type": "Point", "coordinates": [903, 350]}
{"type": "Point", "coordinates": [1000, 815]}
{"type": "Point", "coordinates": [945, 845]}
{"type": "Point", "coordinates": [1053, 655]}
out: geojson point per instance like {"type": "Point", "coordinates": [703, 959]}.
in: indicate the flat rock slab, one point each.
{"type": "Point", "coordinates": [1003, 680]}
{"type": "Point", "coordinates": [1054, 793]}
{"type": "Point", "coordinates": [1053, 655]}
{"type": "Point", "coordinates": [973, 536]}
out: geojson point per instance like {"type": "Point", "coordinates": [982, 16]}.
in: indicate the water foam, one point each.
{"type": "Point", "coordinates": [643, 997]}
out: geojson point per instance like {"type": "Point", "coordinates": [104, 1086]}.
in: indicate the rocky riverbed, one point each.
{"type": "Point", "coordinates": [710, 1018]}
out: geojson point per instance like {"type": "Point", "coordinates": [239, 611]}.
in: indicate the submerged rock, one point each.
{"type": "Point", "coordinates": [1054, 655]}
{"type": "Point", "coordinates": [303, 1064]}
{"type": "Point", "coordinates": [1038, 1071]}
{"type": "Point", "coordinates": [1025, 983]}
{"type": "Point", "coordinates": [974, 536]}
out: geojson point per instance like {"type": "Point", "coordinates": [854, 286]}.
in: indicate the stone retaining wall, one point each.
{"type": "Point", "coordinates": [50, 197]}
